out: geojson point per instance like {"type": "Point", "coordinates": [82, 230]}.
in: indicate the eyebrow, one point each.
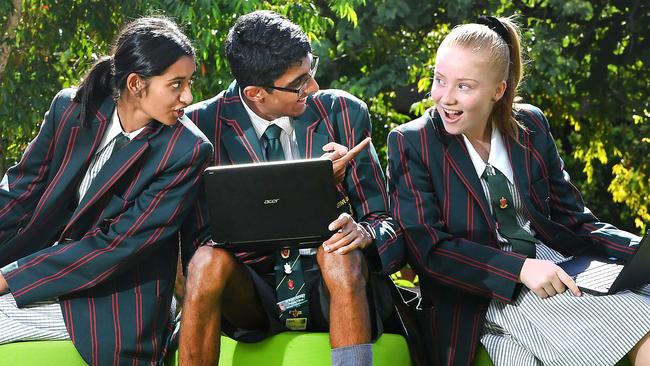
{"type": "Point", "coordinates": [180, 78]}
{"type": "Point", "coordinates": [299, 80]}
{"type": "Point", "coordinates": [461, 79]}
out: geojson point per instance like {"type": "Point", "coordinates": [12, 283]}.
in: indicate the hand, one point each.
{"type": "Point", "coordinates": [341, 156]}
{"type": "Point", "coordinates": [349, 236]}
{"type": "Point", "coordinates": [546, 279]}
{"type": "Point", "coordinates": [4, 286]}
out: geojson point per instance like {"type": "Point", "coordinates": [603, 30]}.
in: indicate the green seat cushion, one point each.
{"type": "Point", "coordinates": [299, 348]}
{"type": "Point", "coordinates": [55, 353]}
{"type": "Point", "coordinates": [40, 353]}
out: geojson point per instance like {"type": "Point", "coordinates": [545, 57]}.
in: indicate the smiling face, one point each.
{"type": "Point", "coordinates": [166, 95]}
{"type": "Point", "coordinates": [275, 103]}
{"type": "Point", "coordinates": [465, 88]}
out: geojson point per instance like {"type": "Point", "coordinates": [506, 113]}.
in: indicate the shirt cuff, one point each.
{"type": "Point", "coordinates": [8, 268]}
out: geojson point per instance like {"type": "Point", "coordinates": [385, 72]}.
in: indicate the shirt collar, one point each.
{"type": "Point", "coordinates": [260, 124]}
{"type": "Point", "coordinates": [115, 128]}
{"type": "Point", "coordinates": [498, 155]}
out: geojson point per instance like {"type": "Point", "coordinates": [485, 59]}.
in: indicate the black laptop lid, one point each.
{"type": "Point", "coordinates": [637, 270]}
{"type": "Point", "coordinates": [270, 205]}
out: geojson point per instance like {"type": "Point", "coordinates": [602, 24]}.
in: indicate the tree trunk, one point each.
{"type": "Point", "coordinates": [8, 33]}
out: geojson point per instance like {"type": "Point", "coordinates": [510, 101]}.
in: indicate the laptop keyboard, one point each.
{"type": "Point", "coordinates": [599, 276]}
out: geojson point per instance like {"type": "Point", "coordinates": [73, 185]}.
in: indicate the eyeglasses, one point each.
{"type": "Point", "coordinates": [301, 90]}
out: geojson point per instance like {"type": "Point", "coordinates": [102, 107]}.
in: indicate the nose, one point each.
{"type": "Point", "coordinates": [447, 95]}
{"type": "Point", "coordinates": [186, 96]}
{"type": "Point", "coordinates": [312, 87]}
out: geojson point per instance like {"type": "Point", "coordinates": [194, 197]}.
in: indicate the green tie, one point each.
{"type": "Point", "coordinates": [120, 141]}
{"type": "Point", "coordinates": [293, 305]}
{"type": "Point", "coordinates": [506, 217]}
{"type": "Point", "coordinates": [274, 150]}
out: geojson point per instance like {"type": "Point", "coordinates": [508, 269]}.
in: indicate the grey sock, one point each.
{"type": "Point", "coordinates": [357, 355]}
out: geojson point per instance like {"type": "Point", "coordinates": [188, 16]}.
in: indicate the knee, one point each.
{"type": "Point", "coordinates": [347, 273]}
{"type": "Point", "coordinates": [209, 270]}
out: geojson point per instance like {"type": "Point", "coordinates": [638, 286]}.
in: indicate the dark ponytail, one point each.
{"type": "Point", "coordinates": [146, 46]}
{"type": "Point", "coordinates": [95, 87]}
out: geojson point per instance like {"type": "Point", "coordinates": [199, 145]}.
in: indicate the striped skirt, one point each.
{"type": "Point", "coordinates": [41, 321]}
{"type": "Point", "coordinates": [565, 329]}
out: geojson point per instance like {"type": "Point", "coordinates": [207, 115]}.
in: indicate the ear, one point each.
{"type": "Point", "coordinates": [255, 93]}
{"type": "Point", "coordinates": [135, 84]}
{"type": "Point", "coordinates": [501, 89]}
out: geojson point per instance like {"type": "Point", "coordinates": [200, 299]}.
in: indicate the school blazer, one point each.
{"type": "Point", "coordinates": [114, 267]}
{"type": "Point", "coordinates": [331, 115]}
{"type": "Point", "coordinates": [450, 235]}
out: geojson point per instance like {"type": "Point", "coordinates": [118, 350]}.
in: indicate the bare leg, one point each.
{"type": "Point", "coordinates": [640, 354]}
{"type": "Point", "coordinates": [217, 284]}
{"type": "Point", "coordinates": [345, 277]}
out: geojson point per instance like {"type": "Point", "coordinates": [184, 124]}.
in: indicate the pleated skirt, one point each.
{"type": "Point", "coordinates": [565, 329]}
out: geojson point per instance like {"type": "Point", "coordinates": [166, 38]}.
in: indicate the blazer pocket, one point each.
{"type": "Point", "coordinates": [541, 198]}
{"type": "Point", "coordinates": [115, 205]}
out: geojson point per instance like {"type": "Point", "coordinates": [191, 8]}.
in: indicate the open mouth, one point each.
{"type": "Point", "coordinates": [451, 115]}
{"type": "Point", "coordinates": [178, 113]}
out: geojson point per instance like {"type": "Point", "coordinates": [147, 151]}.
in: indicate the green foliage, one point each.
{"type": "Point", "coordinates": [588, 70]}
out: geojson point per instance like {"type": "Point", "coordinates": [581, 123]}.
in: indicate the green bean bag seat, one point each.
{"type": "Point", "coordinates": [40, 353]}
{"type": "Point", "coordinates": [283, 349]}
{"type": "Point", "coordinates": [299, 348]}
{"type": "Point", "coordinates": [44, 353]}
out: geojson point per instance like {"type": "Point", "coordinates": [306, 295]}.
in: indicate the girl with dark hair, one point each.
{"type": "Point", "coordinates": [488, 211]}
{"type": "Point", "coordinates": [89, 216]}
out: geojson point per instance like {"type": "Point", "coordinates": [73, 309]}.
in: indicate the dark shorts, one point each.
{"type": "Point", "coordinates": [377, 291]}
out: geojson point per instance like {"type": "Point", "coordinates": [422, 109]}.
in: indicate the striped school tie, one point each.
{"type": "Point", "coordinates": [293, 305]}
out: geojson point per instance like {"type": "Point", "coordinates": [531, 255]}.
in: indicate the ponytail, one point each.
{"type": "Point", "coordinates": [502, 113]}
{"type": "Point", "coordinates": [95, 87]}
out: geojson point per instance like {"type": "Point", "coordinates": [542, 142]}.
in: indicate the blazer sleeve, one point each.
{"type": "Point", "coordinates": [25, 182]}
{"type": "Point", "coordinates": [365, 185]}
{"type": "Point", "coordinates": [443, 258]}
{"type": "Point", "coordinates": [567, 207]}
{"type": "Point", "coordinates": [155, 216]}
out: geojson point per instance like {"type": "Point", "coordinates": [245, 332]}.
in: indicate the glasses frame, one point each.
{"type": "Point", "coordinates": [299, 91]}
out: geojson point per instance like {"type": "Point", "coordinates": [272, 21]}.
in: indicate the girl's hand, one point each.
{"type": "Point", "coordinates": [546, 279]}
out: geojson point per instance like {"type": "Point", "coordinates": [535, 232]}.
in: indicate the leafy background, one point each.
{"type": "Point", "coordinates": [587, 69]}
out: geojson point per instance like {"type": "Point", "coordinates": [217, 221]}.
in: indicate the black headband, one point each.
{"type": "Point", "coordinates": [496, 25]}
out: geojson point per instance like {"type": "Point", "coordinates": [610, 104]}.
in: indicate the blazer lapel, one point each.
{"type": "Point", "coordinates": [114, 168]}
{"type": "Point", "coordinates": [310, 140]}
{"type": "Point", "coordinates": [238, 136]}
{"type": "Point", "coordinates": [458, 158]}
{"type": "Point", "coordinates": [80, 147]}
{"type": "Point", "coordinates": [241, 142]}
{"type": "Point", "coordinates": [519, 158]}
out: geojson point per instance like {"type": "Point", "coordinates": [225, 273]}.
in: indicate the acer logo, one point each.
{"type": "Point", "coordinates": [271, 201]}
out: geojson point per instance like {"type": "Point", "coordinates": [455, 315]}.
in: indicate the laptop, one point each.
{"type": "Point", "coordinates": [599, 276]}
{"type": "Point", "coordinates": [269, 206]}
